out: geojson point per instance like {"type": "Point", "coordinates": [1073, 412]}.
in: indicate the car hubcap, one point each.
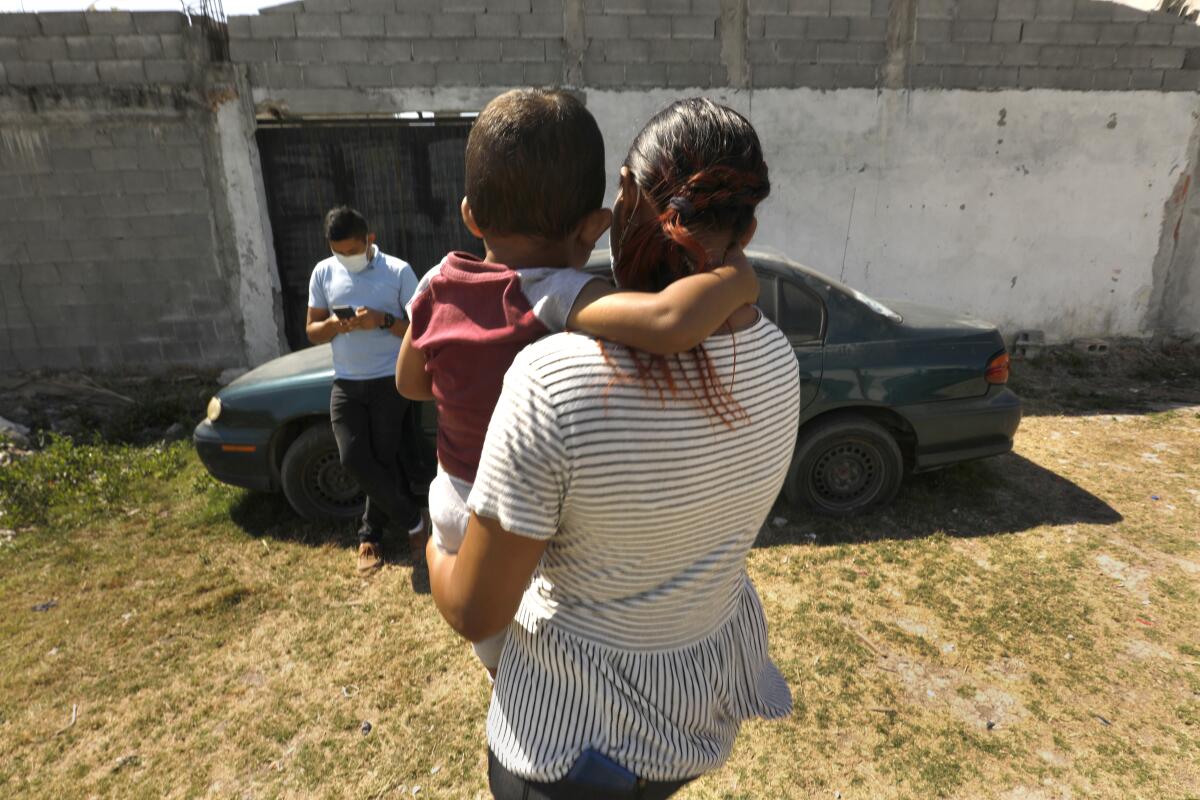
{"type": "Point", "coordinates": [848, 474]}
{"type": "Point", "coordinates": [330, 484]}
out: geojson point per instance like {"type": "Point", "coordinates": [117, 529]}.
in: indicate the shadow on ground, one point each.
{"type": "Point", "coordinates": [1008, 494]}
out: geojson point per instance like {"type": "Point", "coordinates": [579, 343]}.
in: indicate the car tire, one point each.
{"type": "Point", "coordinates": [845, 466]}
{"type": "Point", "coordinates": [313, 479]}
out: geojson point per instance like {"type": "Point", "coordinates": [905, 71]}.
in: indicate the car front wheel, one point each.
{"type": "Point", "coordinates": [845, 466]}
{"type": "Point", "coordinates": [314, 481]}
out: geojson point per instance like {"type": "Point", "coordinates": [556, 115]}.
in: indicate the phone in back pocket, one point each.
{"type": "Point", "coordinates": [594, 770]}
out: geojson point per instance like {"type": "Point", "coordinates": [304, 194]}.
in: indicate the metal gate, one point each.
{"type": "Point", "coordinates": [406, 178]}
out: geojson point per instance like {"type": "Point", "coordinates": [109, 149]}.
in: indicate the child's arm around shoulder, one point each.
{"type": "Point", "coordinates": [412, 380]}
{"type": "Point", "coordinates": [674, 320]}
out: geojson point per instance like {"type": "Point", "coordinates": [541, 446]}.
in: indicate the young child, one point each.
{"type": "Point", "coordinates": [534, 195]}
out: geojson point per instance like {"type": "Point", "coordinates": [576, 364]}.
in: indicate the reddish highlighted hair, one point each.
{"type": "Point", "coordinates": [700, 165]}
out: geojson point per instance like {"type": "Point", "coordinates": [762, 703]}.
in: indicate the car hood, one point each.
{"type": "Point", "coordinates": [929, 319]}
{"type": "Point", "coordinates": [311, 363]}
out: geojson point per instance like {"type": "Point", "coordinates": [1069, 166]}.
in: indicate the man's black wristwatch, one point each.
{"type": "Point", "coordinates": [388, 320]}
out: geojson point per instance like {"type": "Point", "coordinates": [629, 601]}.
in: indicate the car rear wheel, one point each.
{"type": "Point", "coordinates": [845, 466]}
{"type": "Point", "coordinates": [314, 481]}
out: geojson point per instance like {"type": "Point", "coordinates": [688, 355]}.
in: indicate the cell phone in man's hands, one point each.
{"type": "Point", "coordinates": [343, 312]}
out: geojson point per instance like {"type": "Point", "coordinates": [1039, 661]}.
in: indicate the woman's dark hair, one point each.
{"type": "Point", "coordinates": [344, 222]}
{"type": "Point", "coordinates": [701, 166]}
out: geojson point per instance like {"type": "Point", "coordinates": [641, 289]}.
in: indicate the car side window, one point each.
{"type": "Point", "coordinates": [800, 312]}
{"type": "Point", "coordinates": [766, 296]}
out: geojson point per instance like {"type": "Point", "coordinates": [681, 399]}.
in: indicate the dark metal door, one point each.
{"type": "Point", "coordinates": [407, 180]}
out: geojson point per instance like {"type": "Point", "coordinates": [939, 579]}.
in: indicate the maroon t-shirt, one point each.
{"type": "Point", "coordinates": [470, 318]}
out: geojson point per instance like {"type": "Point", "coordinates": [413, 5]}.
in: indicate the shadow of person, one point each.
{"type": "Point", "coordinates": [1002, 495]}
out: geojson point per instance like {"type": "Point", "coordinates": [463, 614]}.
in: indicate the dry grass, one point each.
{"type": "Point", "coordinates": [1024, 627]}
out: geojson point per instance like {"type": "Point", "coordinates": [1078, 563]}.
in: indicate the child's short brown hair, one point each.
{"type": "Point", "coordinates": [535, 164]}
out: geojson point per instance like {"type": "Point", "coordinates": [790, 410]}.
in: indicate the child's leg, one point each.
{"type": "Point", "coordinates": [448, 511]}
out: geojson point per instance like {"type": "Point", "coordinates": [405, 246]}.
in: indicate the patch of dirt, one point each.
{"type": "Point", "coordinates": [987, 708]}
{"type": "Point", "coordinates": [1130, 578]}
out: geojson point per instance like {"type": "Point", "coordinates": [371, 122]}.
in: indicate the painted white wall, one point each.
{"type": "Point", "coordinates": [1032, 209]}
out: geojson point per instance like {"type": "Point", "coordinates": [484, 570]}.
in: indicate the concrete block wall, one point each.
{"type": "Point", "coordinates": [110, 257]}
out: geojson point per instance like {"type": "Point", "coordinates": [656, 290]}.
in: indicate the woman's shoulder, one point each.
{"type": "Point", "coordinates": [559, 349]}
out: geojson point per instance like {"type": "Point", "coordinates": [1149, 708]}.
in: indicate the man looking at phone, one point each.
{"type": "Point", "coordinates": [356, 301]}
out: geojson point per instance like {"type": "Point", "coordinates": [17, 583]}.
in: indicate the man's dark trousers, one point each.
{"type": "Point", "coordinates": [370, 422]}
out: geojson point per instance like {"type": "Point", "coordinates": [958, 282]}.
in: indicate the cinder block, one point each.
{"type": "Point", "coordinates": [479, 50]}
{"type": "Point", "coordinates": [508, 6]}
{"type": "Point", "coordinates": [140, 46]}
{"type": "Point", "coordinates": [1111, 80]}
{"type": "Point", "coordinates": [867, 29]}
{"type": "Point", "coordinates": [1146, 79]}
{"type": "Point", "coordinates": [1079, 32]}
{"type": "Point", "coordinates": [497, 25]}
{"type": "Point", "coordinates": [813, 76]}
{"type": "Point", "coordinates": [1005, 32]}
{"type": "Point", "coordinates": [90, 48]}
{"type": "Point", "coordinates": [628, 51]}
{"type": "Point", "coordinates": [550, 25]}
{"type": "Point", "coordinates": [75, 72]}
{"type": "Point", "coordinates": [392, 51]}
{"type": "Point", "coordinates": [1040, 32]}
{"type": "Point", "coordinates": [60, 24]}
{"type": "Point", "coordinates": [646, 74]}
{"type": "Point", "coordinates": [1117, 34]}
{"type": "Point", "coordinates": [1094, 11]}
{"type": "Point", "coordinates": [372, 25]}
{"type": "Point", "coordinates": [629, 6]}
{"type": "Point", "coordinates": [654, 27]}
{"type": "Point", "coordinates": [767, 6]}
{"type": "Point", "coordinates": [1148, 33]}
{"type": "Point", "coordinates": [9, 48]}
{"type": "Point", "coordinates": [939, 53]}
{"type": "Point", "coordinates": [672, 6]}
{"type": "Point", "coordinates": [1097, 56]}
{"type": "Point", "coordinates": [167, 71]}
{"type": "Point", "coordinates": [881, 8]}
{"type": "Point", "coordinates": [554, 49]}
{"type": "Point", "coordinates": [603, 75]}
{"type": "Point", "coordinates": [544, 6]}
{"type": "Point", "coordinates": [548, 74]}
{"type": "Point", "coordinates": [1068, 78]}
{"type": "Point", "coordinates": [757, 52]}
{"type": "Point", "coordinates": [414, 74]}
{"type": "Point", "coordinates": [1058, 56]}
{"type": "Point", "coordinates": [1124, 13]}
{"type": "Point", "coordinates": [145, 182]}
{"type": "Point", "coordinates": [683, 76]}
{"type": "Point", "coordinates": [960, 77]}
{"type": "Point", "coordinates": [691, 26]}
{"type": "Point", "coordinates": [159, 22]}
{"type": "Point", "coordinates": [43, 48]}
{"type": "Point", "coordinates": [327, 6]}
{"type": "Point", "coordinates": [935, 9]}
{"type": "Point", "coordinates": [837, 53]}
{"type": "Point", "coordinates": [21, 25]}
{"type": "Point", "coordinates": [403, 25]}
{"type": "Point", "coordinates": [850, 8]}
{"type": "Point", "coordinates": [976, 10]}
{"type": "Point", "coordinates": [998, 77]}
{"type": "Point", "coordinates": [971, 32]}
{"type": "Point", "coordinates": [318, 26]}
{"type": "Point", "coordinates": [369, 75]}
{"type": "Point", "coordinates": [247, 50]}
{"type": "Point", "coordinates": [809, 8]}
{"type": "Point", "coordinates": [521, 50]}
{"type": "Point", "coordinates": [1185, 35]}
{"type": "Point", "coordinates": [345, 51]}
{"type": "Point", "coordinates": [1055, 10]}
{"type": "Point", "coordinates": [109, 22]}
{"type": "Point", "coordinates": [126, 71]}
{"type": "Point", "coordinates": [238, 27]}
{"type": "Point", "coordinates": [433, 50]}
{"type": "Point", "coordinates": [71, 160]}
{"type": "Point", "coordinates": [273, 26]}
{"type": "Point", "coordinates": [298, 51]}
{"type": "Point", "coordinates": [473, 6]}
{"type": "Point", "coordinates": [932, 30]}
{"type": "Point", "coordinates": [833, 29]}
{"type": "Point", "coordinates": [1181, 80]}
{"type": "Point", "coordinates": [512, 74]}
{"type": "Point", "coordinates": [1150, 57]}
{"type": "Point", "coordinates": [606, 27]}
{"type": "Point", "coordinates": [798, 51]}
{"type": "Point", "coordinates": [285, 76]}
{"type": "Point", "coordinates": [1020, 55]}
{"type": "Point", "coordinates": [172, 45]}
{"type": "Point", "coordinates": [857, 76]}
{"type": "Point", "coordinates": [1016, 9]}
{"type": "Point", "coordinates": [457, 74]}
{"type": "Point", "coordinates": [705, 51]}
{"type": "Point", "coordinates": [791, 27]}
{"type": "Point", "coordinates": [452, 26]}
{"type": "Point", "coordinates": [325, 76]}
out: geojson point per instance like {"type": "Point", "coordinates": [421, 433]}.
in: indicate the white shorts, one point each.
{"type": "Point", "coordinates": [449, 514]}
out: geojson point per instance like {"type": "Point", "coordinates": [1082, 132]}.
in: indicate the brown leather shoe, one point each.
{"type": "Point", "coordinates": [370, 558]}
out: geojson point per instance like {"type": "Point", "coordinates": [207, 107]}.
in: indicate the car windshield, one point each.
{"type": "Point", "coordinates": [870, 302]}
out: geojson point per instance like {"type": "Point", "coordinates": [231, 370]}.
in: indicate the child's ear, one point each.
{"type": "Point", "coordinates": [593, 227]}
{"type": "Point", "coordinates": [469, 219]}
{"type": "Point", "coordinates": [748, 234]}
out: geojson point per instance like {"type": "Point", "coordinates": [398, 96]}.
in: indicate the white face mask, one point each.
{"type": "Point", "coordinates": [354, 263]}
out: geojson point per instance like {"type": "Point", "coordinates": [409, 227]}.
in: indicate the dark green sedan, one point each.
{"type": "Point", "coordinates": [886, 390]}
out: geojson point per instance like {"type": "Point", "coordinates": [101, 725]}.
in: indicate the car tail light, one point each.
{"type": "Point", "coordinates": [997, 369]}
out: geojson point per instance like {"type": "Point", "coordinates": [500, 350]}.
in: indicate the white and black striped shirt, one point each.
{"type": "Point", "coordinates": [640, 634]}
